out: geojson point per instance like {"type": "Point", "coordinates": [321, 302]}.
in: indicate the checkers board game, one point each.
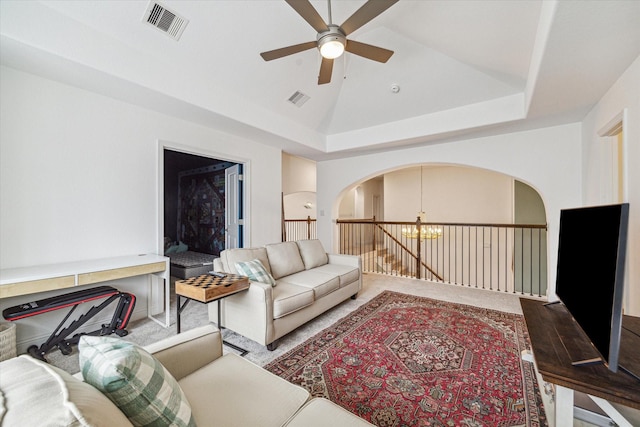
{"type": "Point", "coordinates": [207, 288]}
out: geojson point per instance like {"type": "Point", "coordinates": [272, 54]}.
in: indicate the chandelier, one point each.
{"type": "Point", "coordinates": [426, 232]}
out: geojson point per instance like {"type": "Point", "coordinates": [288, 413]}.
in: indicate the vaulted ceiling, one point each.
{"type": "Point", "coordinates": [463, 68]}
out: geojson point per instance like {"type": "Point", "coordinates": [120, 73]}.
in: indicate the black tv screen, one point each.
{"type": "Point", "coordinates": [590, 274]}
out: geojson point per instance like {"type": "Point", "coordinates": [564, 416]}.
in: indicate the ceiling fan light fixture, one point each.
{"type": "Point", "coordinates": [331, 40]}
{"type": "Point", "coordinates": [331, 44]}
{"type": "Point", "coordinates": [332, 49]}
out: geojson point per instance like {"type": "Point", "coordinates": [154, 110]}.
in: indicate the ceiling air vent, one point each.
{"type": "Point", "coordinates": [298, 98]}
{"type": "Point", "coordinates": [165, 20]}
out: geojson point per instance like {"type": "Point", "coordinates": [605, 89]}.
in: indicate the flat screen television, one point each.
{"type": "Point", "coordinates": [590, 274]}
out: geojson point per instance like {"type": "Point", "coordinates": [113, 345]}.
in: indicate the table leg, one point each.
{"type": "Point", "coordinates": [242, 351]}
{"type": "Point", "coordinates": [564, 406]}
{"type": "Point", "coordinates": [611, 411]}
{"type": "Point", "coordinates": [178, 313]}
{"type": "Point", "coordinates": [180, 308]}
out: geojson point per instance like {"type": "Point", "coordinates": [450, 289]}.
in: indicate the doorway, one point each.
{"type": "Point", "coordinates": [201, 208]}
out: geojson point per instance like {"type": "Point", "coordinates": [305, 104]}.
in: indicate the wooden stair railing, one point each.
{"type": "Point", "coordinates": [410, 253]}
{"type": "Point", "coordinates": [501, 257]}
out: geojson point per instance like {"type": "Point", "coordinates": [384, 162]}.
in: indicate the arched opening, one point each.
{"type": "Point", "coordinates": [492, 227]}
{"type": "Point", "coordinates": [531, 246]}
{"type": "Point", "coordinates": [299, 215]}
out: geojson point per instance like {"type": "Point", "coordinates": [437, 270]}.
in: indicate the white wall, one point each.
{"type": "Point", "coordinates": [79, 173]}
{"type": "Point", "coordinates": [79, 176]}
{"type": "Point", "coordinates": [295, 205]}
{"type": "Point", "coordinates": [449, 194]}
{"type": "Point", "coordinates": [298, 174]}
{"type": "Point", "coordinates": [359, 202]}
{"type": "Point", "coordinates": [298, 186]}
{"type": "Point", "coordinates": [623, 95]}
{"type": "Point", "coordinates": [546, 159]}
{"type": "Point", "coordinates": [347, 204]}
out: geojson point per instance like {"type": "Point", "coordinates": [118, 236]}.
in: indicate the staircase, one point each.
{"type": "Point", "coordinates": [390, 264]}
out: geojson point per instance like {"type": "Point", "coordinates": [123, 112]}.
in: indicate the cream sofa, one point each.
{"type": "Point", "coordinates": [308, 282]}
{"type": "Point", "coordinates": [221, 391]}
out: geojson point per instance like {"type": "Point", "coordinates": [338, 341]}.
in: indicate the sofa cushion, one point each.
{"type": "Point", "coordinates": [134, 380]}
{"type": "Point", "coordinates": [313, 253]}
{"type": "Point", "coordinates": [288, 298]}
{"type": "Point", "coordinates": [231, 391]}
{"type": "Point", "coordinates": [284, 259]}
{"type": "Point", "coordinates": [321, 283]}
{"type": "Point", "coordinates": [346, 273]}
{"type": "Point", "coordinates": [203, 344]}
{"type": "Point", "coordinates": [230, 257]}
{"type": "Point", "coordinates": [255, 271]}
{"type": "Point", "coordinates": [319, 412]}
{"type": "Point", "coordinates": [38, 394]}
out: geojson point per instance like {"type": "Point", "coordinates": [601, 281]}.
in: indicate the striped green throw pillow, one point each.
{"type": "Point", "coordinates": [135, 381]}
{"type": "Point", "coordinates": [255, 271]}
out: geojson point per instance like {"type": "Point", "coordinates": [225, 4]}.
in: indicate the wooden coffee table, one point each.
{"type": "Point", "coordinates": [208, 288]}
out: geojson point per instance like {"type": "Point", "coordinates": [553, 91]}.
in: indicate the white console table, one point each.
{"type": "Point", "coordinates": [30, 280]}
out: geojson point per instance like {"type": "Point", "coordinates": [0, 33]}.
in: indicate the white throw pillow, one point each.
{"type": "Point", "coordinates": [38, 394]}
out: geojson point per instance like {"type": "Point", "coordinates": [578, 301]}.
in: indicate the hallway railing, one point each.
{"type": "Point", "coordinates": [298, 229]}
{"type": "Point", "coordinates": [499, 257]}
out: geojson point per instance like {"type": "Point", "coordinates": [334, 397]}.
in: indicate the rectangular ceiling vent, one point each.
{"type": "Point", "coordinates": [298, 99]}
{"type": "Point", "coordinates": [165, 20]}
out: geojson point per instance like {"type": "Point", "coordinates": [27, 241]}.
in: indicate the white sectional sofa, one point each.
{"type": "Point", "coordinates": [220, 390]}
{"type": "Point", "coordinates": [308, 281]}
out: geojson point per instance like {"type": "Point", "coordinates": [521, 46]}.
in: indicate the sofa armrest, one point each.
{"type": "Point", "coordinates": [249, 313]}
{"type": "Point", "coordinates": [189, 351]}
{"type": "Point", "coordinates": [343, 259]}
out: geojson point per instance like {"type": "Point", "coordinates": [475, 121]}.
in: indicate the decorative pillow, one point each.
{"type": "Point", "coordinates": [255, 271]}
{"type": "Point", "coordinates": [135, 381]}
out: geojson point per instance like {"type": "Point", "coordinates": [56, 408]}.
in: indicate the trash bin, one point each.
{"type": "Point", "coordinates": [7, 341]}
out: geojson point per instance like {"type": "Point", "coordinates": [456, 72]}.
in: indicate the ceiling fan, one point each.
{"type": "Point", "coordinates": [332, 39]}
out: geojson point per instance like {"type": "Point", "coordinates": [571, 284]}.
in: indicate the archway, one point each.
{"type": "Point", "coordinates": [453, 194]}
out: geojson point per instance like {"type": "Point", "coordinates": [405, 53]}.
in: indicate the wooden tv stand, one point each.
{"type": "Point", "coordinates": [552, 340]}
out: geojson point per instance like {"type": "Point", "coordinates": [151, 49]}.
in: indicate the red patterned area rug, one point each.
{"type": "Point", "coordinates": [402, 360]}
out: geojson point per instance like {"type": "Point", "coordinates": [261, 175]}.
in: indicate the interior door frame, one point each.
{"type": "Point", "coordinates": [618, 149]}
{"type": "Point", "coordinates": [197, 151]}
{"type": "Point", "coordinates": [233, 181]}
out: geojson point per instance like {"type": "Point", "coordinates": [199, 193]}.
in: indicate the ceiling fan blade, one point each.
{"type": "Point", "coordinates": [326, 68]}
{"type": "Point", "coordinates": [309, 14]}
{"type": "Point", "coordinates": [368, 51]}
{"type": "Point", "coordinates": [366, 13]}
{"type": "Point", "coordinates": [286, 51]}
